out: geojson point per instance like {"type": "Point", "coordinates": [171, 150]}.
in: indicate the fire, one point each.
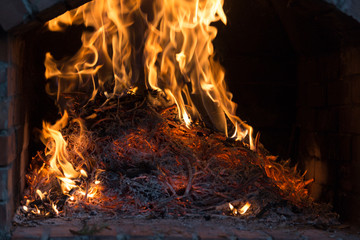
{"type": "Point", "coordinates": [179, 64]}
{"type": "Point", "coordinates": [178, 57]}
{"type": "Point", "coordinates": [240, 211]}
{"type": "Point", "coordinates": [179, 60]}
{"type": "Point", "coordinates": [59, 156]}
{"type": "Point", "coordinates": [243, 210]}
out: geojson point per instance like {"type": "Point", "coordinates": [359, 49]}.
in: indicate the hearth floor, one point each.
{"type": "Point", "coordinates": [162, 229]}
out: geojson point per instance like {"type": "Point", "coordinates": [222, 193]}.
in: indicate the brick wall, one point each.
{"type": "Point", "coordinates": [13, 144]}
{"type": "Point", "coordinates": [17, 18]}
{"type": "Point", "coordinates": [329, 119]}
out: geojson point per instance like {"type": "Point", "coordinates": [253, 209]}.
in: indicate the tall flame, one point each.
{"type": "Point", "coordinates": [105, 55]}
{"type": "Point", "coordinates": [59, 157]}
{"type": "Point", "coordinates": [178, 57]}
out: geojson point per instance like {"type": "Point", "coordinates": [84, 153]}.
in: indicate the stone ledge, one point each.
{"type": "Point", "coordinates": [178, 231]}
{"type": "Point", "coordinates": [14, 14]}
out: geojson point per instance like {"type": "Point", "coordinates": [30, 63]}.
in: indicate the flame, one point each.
{"type": "Point", "coordinates": [231, 206]}
{"type": "Point", "coordinates": [83, 173]}
{"type": "Point", "coordinates": [179, 63]}
{"type": "Point", "coordinates": [178, 57]}
{"type": "Point", "coordinates": [41, 195]}
{"type": "Point", "coordinates": [105, 50]}
{"type": "Point", "coordinates": [243, 210]}
{"type": "Point", "coordinates": [59, 157]}
{"type": "Point", "coordinates": [179, 60]}
{"type": "Point", "coordinates": [54, 207]}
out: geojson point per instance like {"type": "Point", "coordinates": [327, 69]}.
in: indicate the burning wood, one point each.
{"type": "Point", "coordinates": [117, 152]}
{"type": "Point", "coordinates": [145, 161]}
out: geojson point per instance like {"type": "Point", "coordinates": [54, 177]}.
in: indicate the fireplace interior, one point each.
{"type": "Point", "coordinates": [293, 67]}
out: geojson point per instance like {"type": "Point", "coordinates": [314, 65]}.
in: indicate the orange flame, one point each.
{"type": "Point", "coordinates": [178, 57]}
{"type": "Point", "coordinates": [243, 210]}
{"type": "Point", "coordinates": [56, 150]}
{"type": "Point", "coordinates": [106, 50]}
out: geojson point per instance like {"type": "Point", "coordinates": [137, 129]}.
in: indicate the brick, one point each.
{"type": "Point", "coordinates": [3, 47]}
{"type": "Point", "coordinates": [63, 231]}
{"type": "Point", "coordinates": [345, 142]}
{"type": "Point", "coordinates": [14, 72]}
{"type": "Point", "coordinates": [21, 163]}
{"type": "Point", "coordinates": [355, 88]}
{"type": "Point", "coordinates": [306, 118]}
{"type": "Point", "coordinates": [282, 234]}
{"type": "Point", "coordinates": [136, 230]}
{"type": "Point", "coordinates": [329, 67]}
{"type": "Point", "coordinates": [7, 147]}
{"type": "Point", "coordinates": [5, 106]}
{"type": "Point", "coordinates": [12, 13]}
{"type": "Point", "coordinates": [307, 69]}
{"type": "Point", "coordinates": [316, 95]}
{"type": "Point", "coordinates": [350, 59]}
{"type": "Point", "coordinates": [24, 158]}
{"type": "Point", "coordinates": [24, 233]}
{"type": "Point", "coordinates": [3, 74]}
{"type": "Point", "coordinates": [11, 112]}
{"type": "Point", "coordinates": [315, 234]}
{"type": "Point", "coordinates": [248, 235]}
{"type": "Point", "coordinates": [317, 69]}
{"type": "Point", "coordinates": [349, 119]}
{"type": "Point", "coordinates": [327, 119]}
{"type": "Point", "coordinates": [355, 164]}
{"type": "Point", "coordinates": [211, 232]}
{"type": "Point", "coordinates": [350, 203]}
{"type": "Point", "coordinates": [6, 214]}
{"type": "Point", "coordinates": [6, 182]}
{"type": "Point", "coordinates": [3, 89]}
{"type": "Point", "coordinates": [339, 93]}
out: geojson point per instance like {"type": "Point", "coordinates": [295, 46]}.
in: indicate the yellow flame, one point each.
{"type": "Point", "coordinates": [231, 206]}
{"type": "Point", "coordinates": [105, 50]}
{"type": "Point", "coordinates": [55, 208]}
{"type": "Point", "coordinates": [244, 208]}
{"type": "Point", "coordinates": [56, 150]}
{"type": "Point", "coordinates": [83, 173]}
{"type": "Point", "coordinates": [178, 57]}
{"type": "Point", "coordinates": [41, 195]}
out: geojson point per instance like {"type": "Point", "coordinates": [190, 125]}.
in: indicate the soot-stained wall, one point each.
{"type": "Point", "coordinates": [294, 67]}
